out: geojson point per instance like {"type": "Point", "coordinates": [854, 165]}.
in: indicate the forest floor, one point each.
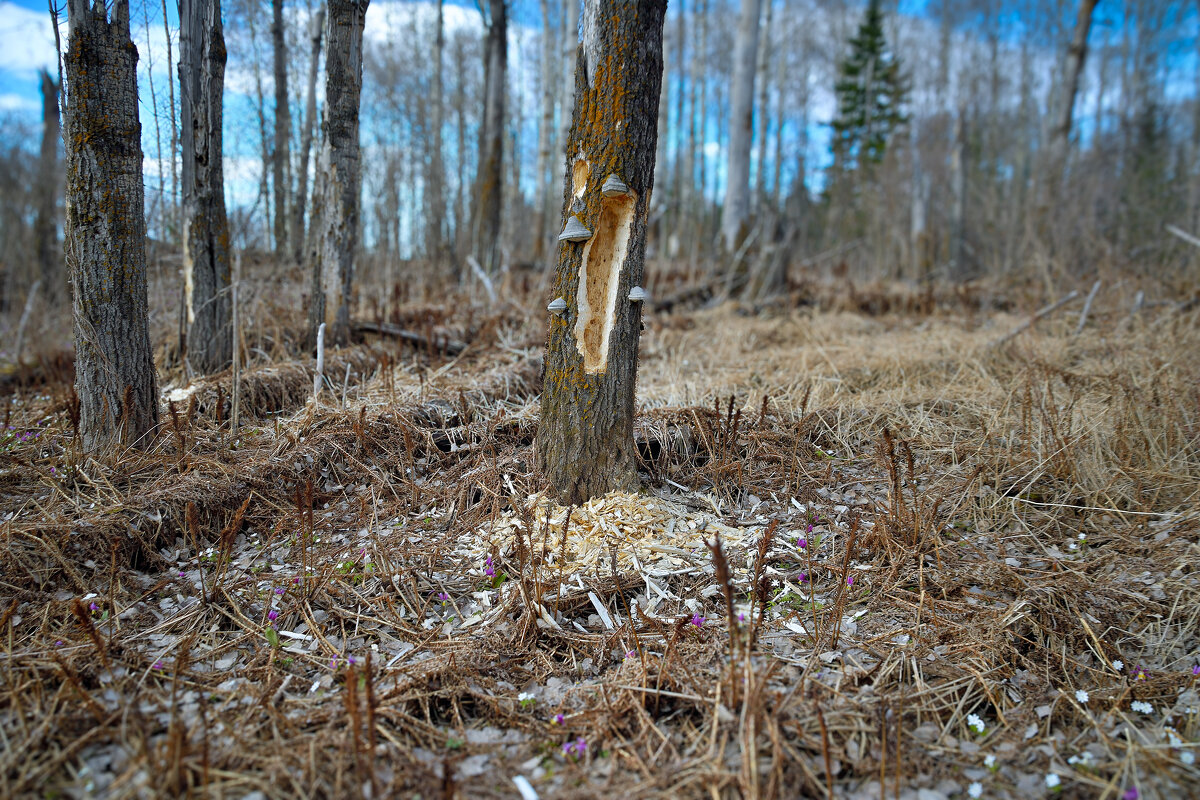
{"type": "Point", "coordinates": [878, 552]}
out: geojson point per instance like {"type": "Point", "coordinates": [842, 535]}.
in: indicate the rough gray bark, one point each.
{"type": "Point", "coordinates": [106, 230]}
{"type": "Point", "coordinates": [300, 201]}
{"type": "Point", "coordinates": [45, 223]}
{"type": "Point", "coordinates": [489, 183]}
{"type": "Point", "coordinates": [741, 128]}
{"type": "Point", "coordinates": [283, 118]}
{"type": "Point", "coordinates": [1076, 54]}
{"type": "Point", "coordinates": [436, 218]}
{"type": "Point", "coordinates": [336, 196]}
{"type": "Point", "coordinates": [585, 438]}
{"type": "Point", "coordinates": [206, 257]}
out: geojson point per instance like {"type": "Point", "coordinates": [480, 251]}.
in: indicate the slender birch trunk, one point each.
{"type": "Point", "coordinates": [283, 118]}
{"type": "Point", "coordinates": [316, 33]}
{"type": "Point", "coordinates": [736, 213]}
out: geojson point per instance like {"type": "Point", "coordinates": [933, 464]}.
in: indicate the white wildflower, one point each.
{"type": "Point", "coordinates": [1081, 696]}
{"type": "Point", "coordinates": [1118, 664]}
{"type": "Point", "coordinates": [989, 761]}
{"type": "Point", "coordinates": [1187, 757]}
{"type": "Point", "coordinates": [1052, 780]}
{"type": "Point", "coordinates": [975, 723]}
{"type": "Point", "coordinates": [975, 789]}
{"type": "Point", "coordinates": [1142, 706]}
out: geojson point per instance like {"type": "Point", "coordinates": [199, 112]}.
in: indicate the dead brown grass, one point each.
{"type": "Point", "coordinates": [946, 482]}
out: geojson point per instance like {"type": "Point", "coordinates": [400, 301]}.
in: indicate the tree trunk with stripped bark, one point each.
{"type": "Point", "coordinates": [585, 439]}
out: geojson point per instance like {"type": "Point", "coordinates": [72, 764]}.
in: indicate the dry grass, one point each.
{"type": "Point", "coordinates": [306, 609]}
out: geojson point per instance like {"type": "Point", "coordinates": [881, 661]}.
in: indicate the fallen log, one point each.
{"type": "Point", "coordinates": [442, 343]}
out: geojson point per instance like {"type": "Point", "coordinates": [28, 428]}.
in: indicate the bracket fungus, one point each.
{"type": "Point", "coordinates": [613, 187]}
{"type": "Point", "coordinates": [574, 231]}
{"type": "Point", "coordinates": [637, 295]}
{"type": "Point", "coordinates": [557, 306]}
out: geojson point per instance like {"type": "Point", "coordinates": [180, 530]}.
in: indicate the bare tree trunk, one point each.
{"type": "Point", "coordinates": [436, 217]}
{"type": "Point", "coordinates": [283, 120]}
{"type": "Point", "coordinates": [206, 256]}
{"type": "Point", "coordinates": [260, 106]}
{"type": "Point", "coordinates": [546, 136]}
{"type": "Point", "coordinates": [300, 201]}
{"type": "Point", "coordinates": [764, 120]}
{"type": "Point", "coordinates": [106, 230]}
{"type": "Point", "coordinates": [336, 205]}
{"type": "Point", "coordinates": [45, 224]}
{"type": "Point", "coordinates": [585, 438]}
{"type": "Point", "coordinates": [489, 188]}
{"type": "Point", "coordinates": [461, 226]}
{"type": "Point", "coordinates": [958, 208]}
{"type": "Point", "coordinates": [1076, 54]}
{"type": "Point", "coordinates": [741, 128]}
{"type": "Point", "coordinates": [173, 200]}
{"type": "Point", "coordinates": [570, 47]}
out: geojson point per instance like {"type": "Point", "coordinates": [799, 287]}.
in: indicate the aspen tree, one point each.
{"type": "Point", "coordinates": [106, 230]}
{"type": "Point", "coordinates": [585, 439]}
{"type": "Point", "coordinates": [206, 226]}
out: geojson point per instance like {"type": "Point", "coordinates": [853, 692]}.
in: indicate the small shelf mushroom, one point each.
{"type": "Point", "coordinates": [614, 187]}
{"type": "Point", "coordinates": [637, 295]}
{"type": "Point", "coordinates": [574, 231]}
{"type": "Point", "coordinates": [557, 306]}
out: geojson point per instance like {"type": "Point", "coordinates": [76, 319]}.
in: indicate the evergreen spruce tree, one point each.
{"type": "Point", "coordinates": [871, 93]}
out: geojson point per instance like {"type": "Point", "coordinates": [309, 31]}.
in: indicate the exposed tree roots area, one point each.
{"type": "Point", "coordinates": [872, 556]}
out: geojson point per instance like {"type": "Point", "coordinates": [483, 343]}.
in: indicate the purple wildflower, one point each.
{"type": "Point", "coordinates": [333, 662]}
{"type": "Point", "coordinates": [157, 664]}
{"type": "Point", "coordinates": [697, 620]}
{"type": "Point", "coordinates": [849, 580]}
{"type": "Point", "coordinates": [489, 570]}
{"type": "Point", "coordinates": [182, 574]}
{"type": "Point", "coordinates": [280, 590]}
{"type": "Point", "coordinates": [59, 643]}
{"type": "Point", "coordinates": [802, 542]}
{"type": "Point", "coordinates": [93, 607]}
{"type": "Point", "coordinates": [351, 661]}
{"type": "Point", "coordinates": [802, 577]}
{"type": "Point", "coordinates": [1196, 669]}
{"type": "Point", "coordinates": [1130, 794]}
{"type": "Point", "coordinates": [557, 719]}
{"type": "Point", "coordinates": [272, 615]}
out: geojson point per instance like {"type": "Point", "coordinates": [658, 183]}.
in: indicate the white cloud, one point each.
{"type": "Point", "coordinates": [16, 102]}
{"type": "Point", "coordinates": [26, 39]}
